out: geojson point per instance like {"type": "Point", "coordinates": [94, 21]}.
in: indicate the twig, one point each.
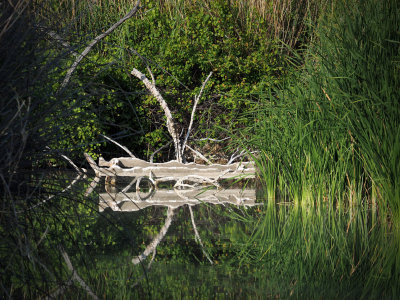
{"type": "Point", "coordinates": [52, 196]}
{"type": "Point", "coordinates": [94, 42]}
{"type": "Point", "coordinates": [159, 237]}
{"type": "Point", "coordinates": [56, 37]}
{"type": "Point", "coordinates": [196, 101]}
{"type": "Point", "coordinates": [197, 236]}
{"type": "Point", "coordinates": [199, 155]}
{"type": "Point", "coordinates": [170, 121]}
{"type": "Point", "coordinates": [75, 274]}
{"type": "Point", "coordinates": [151, 75]}
{"type": "Point", "coordinates": [158, 150]}
{"type": "Point", "coordinates": [210, 139]}
{"type": "Point", "coordinates": [118, 144]}
{"type": "Point", "coordinates": [72, 164]}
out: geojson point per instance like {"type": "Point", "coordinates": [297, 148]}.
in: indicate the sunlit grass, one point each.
{"type": "Point", "coordinates": [329, 141]}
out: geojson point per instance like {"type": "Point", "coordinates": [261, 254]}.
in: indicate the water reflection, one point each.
{"type": "Point", "coordinates": [174, 198]}
{"type": "Point", "coordinates": [133, 194]}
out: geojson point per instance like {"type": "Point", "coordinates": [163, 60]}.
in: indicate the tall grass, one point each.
{"type": "Point", "coordinates": [330, 143]}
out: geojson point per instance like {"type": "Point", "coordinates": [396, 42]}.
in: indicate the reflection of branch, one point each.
{"type": "Point", "coordinates": [95, 41]}
{"type": "Point", "coordinates": [153, 245]}
{"type": "Point", "coordinates": [75, 276]}
{"type": "Point", "coordinates": [196, 178]}
{"type": "Point", "coordinates": [197, 236]}
{"type": "Point", "coordinates": [96, 179]}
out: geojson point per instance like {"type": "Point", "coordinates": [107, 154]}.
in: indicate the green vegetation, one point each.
{"type": "Point", "coordinates": [329, 142]}
{"type": "Point", "coordinates": [310, 87]}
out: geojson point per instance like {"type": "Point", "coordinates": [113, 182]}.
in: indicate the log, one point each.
{"type": "Point", "coordinates": [129, 166]}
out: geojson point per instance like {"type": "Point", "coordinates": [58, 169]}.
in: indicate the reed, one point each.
{"type": "Point", "coordinates": [330, 141]}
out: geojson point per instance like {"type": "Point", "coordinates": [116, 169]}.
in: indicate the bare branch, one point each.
{"type": "Point", "coordinates": [158, 238]}
{"type": "Point", "coordinates": [151, 75]}
{"type": "Point", "coordinates": [196, 101]}
{"type": "Point", "coordinates": [199, 154]}
{"type": "Point", "coordinates": [242, 153]}
{"type": "Point", "coordinates": [158, 150]}
{"type": "Point", "coordinates": [197, 236]}
{"type": "Point", "coordinates": [94, 42]}
{"type": "Point", "coordinates": [210, 139]}
{"type": "Point", "coordinates": [119, 145]}
{"type": "Point", "coordinates": [170, 121]}
{"type": "Point", "coordinates": [72, 163]}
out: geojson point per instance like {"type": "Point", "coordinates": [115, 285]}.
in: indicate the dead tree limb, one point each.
{"type": "Point", "coordinates": [196, 101]}
{"type": "Point", "coordinates": [159, 237]}
{"type": "Point", "coordinates": [94, 42]}
{"type": "Point", "coordinates": [119, 145]}
{"type": "Point", "coordinates": [199, 155]}
{"type": "Point", "coordinates": [170, 120]}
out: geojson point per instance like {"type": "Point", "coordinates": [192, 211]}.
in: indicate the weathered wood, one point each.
{"type": "Point", "coordinates": [174, 199]}
{"type": "Point", "coordinates": [128, 166]}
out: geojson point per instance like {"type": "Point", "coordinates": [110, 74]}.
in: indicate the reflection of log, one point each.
{"type": "Point", "coordinates": [170, 198]}
{"type": "Point", "coordinates": [128, 166]}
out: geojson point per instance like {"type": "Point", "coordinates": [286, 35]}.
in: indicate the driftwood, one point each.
{"type": "Point", "coordinates": [127, 166]}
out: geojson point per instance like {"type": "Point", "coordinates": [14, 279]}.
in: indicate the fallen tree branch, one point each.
{"type": "Point", "coordinates": [196, 101]}
{"type": "Point", "coordinates": [170, 120]}
{"type": "Point", "coordinates": [199, 154]}
{"type": "Point", "coordinates": [158, 150]}
{"type": "Point", "coordinates": [94, 42]}
{"type": "Point", "coordinates": [119, 145]}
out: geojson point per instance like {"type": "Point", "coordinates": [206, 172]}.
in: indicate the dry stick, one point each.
{"type": "Point", "coordinates": [56, 37]}
{"type": "Point", "coordinates": [75, 274]}
{"type": "Point", "coordinates": [52, 196]}
{"type": "Point", "coordinates": [196, 101]}
{"type": "Point", "coordinates": [170, 121]}
{"type": "Point", "coordinates": [72, 163]}
{"type": "Point", "coordinates": [153, 245]}
{"type": "Point", "coordinates": [158, 150]}
{"type": "Point", "coordinates": [199, 154]}
{"type": "Point", "coordinates": [210, 139]}
{"type": "Point", "coordinates": [94, 42]}
{"type": "Point", "coordinates": [197, 236]}
{"type": "Point", "coordinates": [118, 144]}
